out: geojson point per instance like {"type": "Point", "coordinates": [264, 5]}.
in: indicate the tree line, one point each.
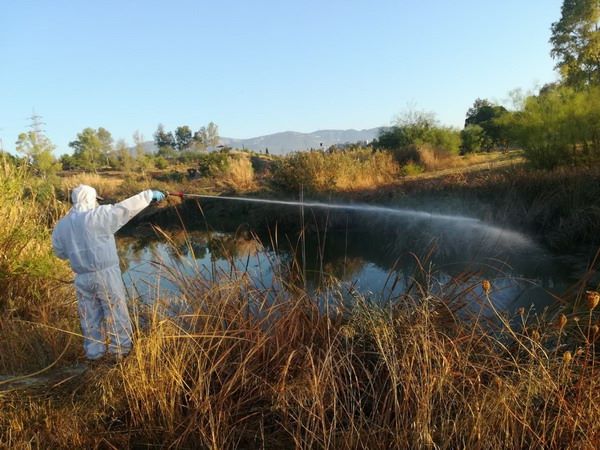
{"type": "Point", "coordinates": [95, 148]}
{"type": "Point", "coordinates": [558, 125]}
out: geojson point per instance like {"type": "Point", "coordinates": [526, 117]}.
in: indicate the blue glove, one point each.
{"type": "Point", "coordinates": [157, 196]}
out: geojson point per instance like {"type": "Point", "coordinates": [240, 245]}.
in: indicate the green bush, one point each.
{"type": "Point", "coordinates": [406, 154]}
{"type": "Point", "coordinates": [412, 169]}
{"type": "Point", "coordinates": [559, 126]}
{"type": "Point", "coordinates": [417, 129]}
{"type": "Point", "coordinates": [472, 139]}
{"type": "Point", "coordinates": [212, 164]}
{"type": "Point", "coordinates": [161, 163]}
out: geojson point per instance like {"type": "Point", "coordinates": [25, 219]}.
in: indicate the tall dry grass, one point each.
{"type": "Point", "coordinates": [104, 185]}
{"type": "Point", "coordinates": [340, 171]}
{"type": "Point", "coordinates": [248, 366]}
{"type": "Point", "coordinates": [35, 293]}
{"type": "Point", "coordinates": [239, 174]}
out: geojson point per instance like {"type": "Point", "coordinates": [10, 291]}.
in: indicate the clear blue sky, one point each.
{"type": "Point", "coordinates": [258, 67]}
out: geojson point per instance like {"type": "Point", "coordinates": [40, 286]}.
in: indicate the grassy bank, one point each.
{"type": "Point", "coordinates": [248, 366]}
{"type": "Point", "coordinates": [561, 207]}
{"type": "Point", "coordinates": [295, 375]}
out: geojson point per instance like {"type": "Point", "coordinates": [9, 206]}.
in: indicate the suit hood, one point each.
{"type": "Point", "coordinates": [84, 198]}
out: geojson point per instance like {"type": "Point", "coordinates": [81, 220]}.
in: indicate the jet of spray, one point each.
{"type": "Point", "coordinates": [467, 222]}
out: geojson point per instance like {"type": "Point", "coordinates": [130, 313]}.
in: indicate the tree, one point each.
{"type": "Point", "coordinates": [207, 136]}
{"type": "Point", "coordinates": [138, 141]}
{"type": "Point", "coordinates": [201, 139]}
{"type": "Point", "coordinates": [560, 126]}
{"type": "Point", "coordinates": [92, 148]}
{"type": "Point", "coordinates": [576, 42]}
{"type": "Point", "coordinates": [38, 149]}
{"type": "Point", "coordinates": [212, 134]}
{"type": "Point", "coordinates": [487, 115]}
{"type": "Point", "coordinates": [142, 159]}
{"type": "Point", "coordinates": [472, 138]}
{"type": "Point", "coordinates": [418, 128]}
{"type": "Point", "coordinates": [124, 160]}
{"type": "Point", "coordinates": [183, 138]}
{"type": "Point", "coordinates": [106, 144]}
{"type": "Point", "coordinates": [165, 141]}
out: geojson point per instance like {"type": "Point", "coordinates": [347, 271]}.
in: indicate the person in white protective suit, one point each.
{"type": "Point", "coordinates": [85, 236]}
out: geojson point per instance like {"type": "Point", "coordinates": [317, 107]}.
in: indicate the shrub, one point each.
{"type": "Point", "coordinates": [239, 174]}
{"type": "Point", "coordinates": [406, 154]}
{"type": "Point", "coordinates": [161, 163]}
{"type": "Point", "coordinates": [472, 139]}
{"type": "Point", "coordinates": [339, 170]}
{"type": "Point", "coordinates": [425, 156]}
{"type": "Point", "coordinates": [212, 164]}
{"type": "Point", "coordinates": [419, 128]}
{"type": "Point", "coordinates": [559, 126]}
{"type": "Point", "coordinates": [412, 169]}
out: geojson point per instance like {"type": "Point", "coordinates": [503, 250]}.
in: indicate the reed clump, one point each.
{"type": "Point", "coordinates": [336, 171]}
{"type": "Point", "coordinates": [238, 175]}
{"type": "Point", "coordinates": [105, 185]}
{"type": "Point", "coordinates": [36, 297]}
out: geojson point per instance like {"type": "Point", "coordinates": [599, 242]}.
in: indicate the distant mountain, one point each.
{"type": "Point", "coordinates": [290, 141]}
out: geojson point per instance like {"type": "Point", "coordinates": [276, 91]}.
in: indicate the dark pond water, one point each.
{"type": "Point", "coordinates": [377, 252]}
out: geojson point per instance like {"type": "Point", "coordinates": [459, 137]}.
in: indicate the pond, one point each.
{"type": "Point", "coordinates": [375, 251]}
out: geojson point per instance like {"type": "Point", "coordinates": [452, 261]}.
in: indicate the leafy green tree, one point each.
{"type": "Point", "coordinates": [212, 134]}
{"type": "Point", "coordinates": [68, 162]}
{"type": "Point", "coordinates": [200, 139]}
{"type": "Point", "coordinates": [106, 144]}
{"type": "Point", "coordinates": [123, 159]}
{"type": "Point", "coordinates": [206, 137]}
{"type": "Point", "coordinates": [142, 159]}
{"type": "Point", "coordinates": [417, 128]}
{"type": "Point", "coordinates": [38, 152]}
{"type": "Point", "coordinates": [92, 148]}
{"type": "Point", "coordinates": [183, 138]}
{"type": "Point", "coordinates": [559, 126]}
{"type": "Point", "coordinates": [576, 42]}
{"type": "Point", "coordinates": [165, 141]}
{"type": "Point", "coordinates": [487, 115]}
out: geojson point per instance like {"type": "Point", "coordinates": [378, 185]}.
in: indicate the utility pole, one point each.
{"type": "Point", "coordinates": [36, 123]}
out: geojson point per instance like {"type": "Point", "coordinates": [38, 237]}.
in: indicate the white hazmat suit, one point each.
{"type": "Point", "coordinates": [85, 236]}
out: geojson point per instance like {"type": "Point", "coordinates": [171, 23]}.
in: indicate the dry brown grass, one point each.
{"type": "Point", "coordinates": [342, 171]}
{"type": "Point", "coordinates": [252, 367]}
{"type": "Point", "coordinates": [104, 185]}
{"type": "Point", "coordinates": [34, 286]}
{"type": "Point", "coordinates": [241, 371]}
{"type": "Point", "coordinates": [239, 175]}
{"type": "Point", "coordinates": [437, 163]}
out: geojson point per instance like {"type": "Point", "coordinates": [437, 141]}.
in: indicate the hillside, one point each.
{"type": "Point", "coordinates": [290, 141]}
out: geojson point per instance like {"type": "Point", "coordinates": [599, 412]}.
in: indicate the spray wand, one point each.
{"type": "Point", "coordinates": [181, 195]}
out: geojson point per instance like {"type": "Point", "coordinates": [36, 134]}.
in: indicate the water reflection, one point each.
{"type": "Point", "coordinates": [378, 257]}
